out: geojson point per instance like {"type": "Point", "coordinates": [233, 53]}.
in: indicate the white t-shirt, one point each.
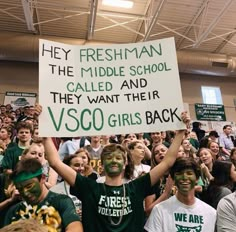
{"type": "Point", "coordinates": [141, 169]}
{"type": "Point", "coordinates": [172, 215]}
{"type": "Point", "coordinates": [77, 143]}
{"type": "Point", "coordinates": [226, 214]}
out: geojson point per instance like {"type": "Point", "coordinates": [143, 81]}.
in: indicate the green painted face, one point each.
{"type": "Point", "coordinates": [185, 180]}
{"type": "Point", "coordinates": [30, 190]}
{"type": "Point", "coordinates": [113, 163]}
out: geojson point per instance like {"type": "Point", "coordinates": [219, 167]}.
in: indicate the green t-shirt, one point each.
{"type": "Point", "coordinates": [11, 157]}
{"type": "Point", "coordinates": [102, 204]}
{"type": "Point", "coordinates": [55, 211]}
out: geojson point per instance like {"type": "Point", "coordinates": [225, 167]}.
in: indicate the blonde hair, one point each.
{"type": "Point", "coordinates": [27, 225]}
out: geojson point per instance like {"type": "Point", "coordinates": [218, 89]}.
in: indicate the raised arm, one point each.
{"type": "Point", "coordinates": [170, 157]}
{"type": "Point", "coordinates": [66, 172]}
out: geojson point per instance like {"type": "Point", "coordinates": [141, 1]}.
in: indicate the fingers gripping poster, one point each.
{"type": "Point", "coordinates": [112, 89]}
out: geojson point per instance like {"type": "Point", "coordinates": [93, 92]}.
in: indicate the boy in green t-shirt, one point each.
{"type": "Point", "coordinates": [113, 206]}
{"type": "Point", "coordinates": [56, 211]}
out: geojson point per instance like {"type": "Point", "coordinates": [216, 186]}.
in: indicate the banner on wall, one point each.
{"type": "Point", "coordinates": [112, 89]}
{"type": "Point", "coordinates": [20, 99]}
{"type": "Point", "coordinates": [210, 112]}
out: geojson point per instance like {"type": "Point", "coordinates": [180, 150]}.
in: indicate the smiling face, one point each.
{"type": "Point", "coordinates": [214, 147]}
{"type": "Point", "coordinates": [186, 145]}
{"type": "Point", "coordinates": [84, 157]}
{"type": "Point", "coordinates": [36, 151]}
{"type": "Point", "coordinates": [205, 156]}
{"type": "Point", "coordinates": [30, 190]}
{"type": "Point", "coordinates": [77, 164]}
{"type": "Point", "coordinates": [114, 163]}
{"type": "Point", "coordinates": [185, 180]}
{"type": "Point", "coordinates": [156, 137]}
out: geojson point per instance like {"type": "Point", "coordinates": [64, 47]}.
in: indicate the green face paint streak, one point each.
{"type": "Point", "coordinates": [113, 164]}
{"type": "Point", "coordinates": [185, 180]}
{"type": "Point", "coordinates": [30, 190]}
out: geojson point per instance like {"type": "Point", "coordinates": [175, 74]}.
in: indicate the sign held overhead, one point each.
{"type": "Point", "coordinates": [112, 89]}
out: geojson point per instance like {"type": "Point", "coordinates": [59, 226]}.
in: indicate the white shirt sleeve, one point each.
{"type": "Point", "coordinates": [154, 222]}
{"type": "Point", "coordinates": [226, 215]}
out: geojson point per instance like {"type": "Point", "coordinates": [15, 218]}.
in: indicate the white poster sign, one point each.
{"type": "Point", "coordinates": [20, 99]}
{"type": "Point", "coordinates": [112, 89]}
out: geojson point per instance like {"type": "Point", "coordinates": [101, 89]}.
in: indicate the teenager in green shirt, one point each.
{"type": "Point", "coordinates": [113, 206]}
{"type": "Point", "coordinates": [56, 211]}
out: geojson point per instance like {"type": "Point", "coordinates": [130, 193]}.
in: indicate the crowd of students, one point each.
{"type": "Point", "coordinates": [164, 181]}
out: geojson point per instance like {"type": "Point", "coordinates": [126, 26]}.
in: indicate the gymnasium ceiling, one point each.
{"type": "Point", "coordinates": [197, 25]}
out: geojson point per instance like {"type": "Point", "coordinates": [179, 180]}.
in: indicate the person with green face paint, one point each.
{"type": "Point", "coordinates": [56, 211]}
{"type": "Point", "coordinates": [113, 206]}
{"type": "Point", "coordinates": [113, 163]}
{"type": "Point", "coordinates": [183, 212]}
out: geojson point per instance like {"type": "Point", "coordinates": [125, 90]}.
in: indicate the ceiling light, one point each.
{"type": "Point", "coordinates": [118, 3]}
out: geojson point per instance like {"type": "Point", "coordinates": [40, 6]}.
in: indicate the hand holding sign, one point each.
{"type": "Point", "coordinates": [112, 89]}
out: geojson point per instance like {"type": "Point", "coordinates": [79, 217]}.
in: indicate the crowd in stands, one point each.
{"type": "Point", "coordinates": [161, 181]}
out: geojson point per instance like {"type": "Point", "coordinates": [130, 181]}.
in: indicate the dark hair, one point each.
{"type": "Point", "coordinates": [127, 135]}
{"type": "Point", "coordinates": [221, 173]}
{"type": "Point", "coordinates": [24, 125]}
{"type": "Point", "coordinates": [185, 163]}
{"type": "Point", "coordinates": [196, 124]}
{"type": "Point", "coordinates": [30, 165]}
{"type": "Point", "coordinates": [214, 133]}
{"type": "Point", "coordinates": [225, 126]}
{"type": "Point", "coordinates": [67, 159]}
{"type": "Point", "coordinates": [132, 145]}
{"type": "Point", "coordinates": [66, 138]}
{"type": "Point", "coordinates": [169, 136]}
{"type": "Point", "coordinates": [111, 148]}
{"type": "Point", "coordinates": [9, 129]}
{"type": "Point", "coordinates": [129, 168]}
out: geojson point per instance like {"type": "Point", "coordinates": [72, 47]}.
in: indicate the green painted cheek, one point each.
{"type": "Point", "coordinates": [193, 181]}
{"type": "Point", "coordinates": [108, 167]}
{"type": "Point", "coordinates": [178, 178]}
{"type": "Point", "coordinates": [35, 191]}
{"type": "Point", "coordinates": [107, 164]}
